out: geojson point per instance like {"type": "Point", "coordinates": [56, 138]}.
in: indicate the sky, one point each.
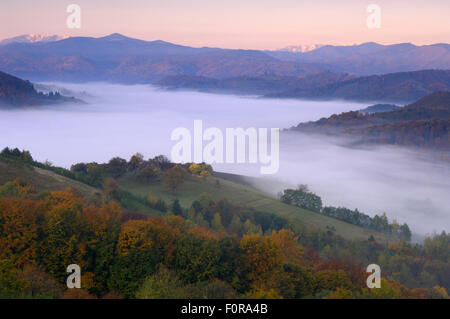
{"type": "Point", "coordinates": [246, 24]}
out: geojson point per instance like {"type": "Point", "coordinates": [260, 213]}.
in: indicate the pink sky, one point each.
{"type": "Point", "coordinates": [248, 24]}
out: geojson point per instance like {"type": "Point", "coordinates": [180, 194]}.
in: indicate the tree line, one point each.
{"type": "Point", "coordinates": [304, 198]}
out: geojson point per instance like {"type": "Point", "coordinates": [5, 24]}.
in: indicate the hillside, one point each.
{"type": "Point", "coordinates": [183, 255]}
{"type": "Point", "coordinates": [17, 92]}
{"type": "Point", "coordinates": [424, 123]}
{"type": "Point", "coordinates": [42, 179]}
{"type": "Point", "coordinates": [424, 134]}
{"type": "Point", "coordinates": [392, 87]}
{"type": "Point", "coordinates": [239, 193]}
{"type": "Point", "coordinates": [246, 196]}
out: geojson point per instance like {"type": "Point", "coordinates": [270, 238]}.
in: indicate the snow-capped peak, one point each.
{"type": "Point", "coordinates": [302, 48]}
{"type": "Point", "coordinates": [31, 38]}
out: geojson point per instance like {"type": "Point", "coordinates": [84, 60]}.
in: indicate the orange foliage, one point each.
{"type": "Point", "coordinates": [18, 230]}
{"type": "Point", "coordinates": [287, 243]}
{"type": "Point", "coordinates": [133, 236]}
{"type": "Point", "coordinates": [261, 256]}
{"type": "Point", "coordinates": [76, 293]}
{"type": "Point", "coordinates": [203, 233]}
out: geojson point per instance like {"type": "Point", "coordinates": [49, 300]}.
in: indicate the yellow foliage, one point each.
{"type": "Point", "coordinates": [261, 293]}
{"type": "Point", "coordinates": [340, 293]}
{"type": "Point", "coordinates": [133, 236]}
{"type": "Point", "coordinates": [203, 171]}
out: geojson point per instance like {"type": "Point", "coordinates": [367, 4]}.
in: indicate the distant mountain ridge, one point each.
{"type": "Point", "coordinates": [403, 87]}
{"type": "Point", "coordinates": [118, 58]}
{"type": "Point", "coordinates": [259, 85]}
{"type": "Point", "coordinates": [373, 58]}
{"type": "Point", "coordinates": [393, 87]}
{"type": "Point", "coordinates": [122, 59]}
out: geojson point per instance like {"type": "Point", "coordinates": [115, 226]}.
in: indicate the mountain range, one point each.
{"type": "Point", "coordinates": [256, 84]}
{"type": "Point", "coordinates": [373, 58]}
{"type": "Point", "coordinates": [123, 59]}
{"type": "Point", "coordinates": [326, 72]}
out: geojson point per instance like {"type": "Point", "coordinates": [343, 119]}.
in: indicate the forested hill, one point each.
{"type": "Point", "coordinates": [16, 92]}
{"type": "Point", "coordinates": [424, 123]}
{"type": "Point", "coordinates": [255, 84]}
{"type": "Point", "coordinates": [393, 87]}
{"type": "Point", "coordinates": [402, 87]}
{"type": "Point", "coordinates": [115, 220]}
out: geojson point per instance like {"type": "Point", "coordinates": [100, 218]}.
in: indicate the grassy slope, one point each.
{"type": "Point", "coordinates": [45, 180]}
{"type": "Point", "coordinates": [244, 195]}
{"type": "Point", "coordinates": [42, 180]}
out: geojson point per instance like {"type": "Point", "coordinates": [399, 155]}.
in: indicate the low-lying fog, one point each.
{"type": "Point", "coordinates": [122, 120]}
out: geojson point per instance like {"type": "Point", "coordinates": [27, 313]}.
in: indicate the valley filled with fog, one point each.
{"type": "Point", "coordinates": [120, 120]}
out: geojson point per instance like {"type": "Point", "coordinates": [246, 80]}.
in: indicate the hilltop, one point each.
{"type": "Point", "coordinates": [42, 179]}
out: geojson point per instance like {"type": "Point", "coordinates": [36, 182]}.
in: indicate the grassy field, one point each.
{"type": "Point", "coordinates": [244, 195]}
{"type": "Point", "coordinates": [41, 179]}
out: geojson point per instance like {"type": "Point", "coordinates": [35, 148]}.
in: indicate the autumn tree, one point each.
{"type": "Point", "coordinates": [175, 177]}
{"type": "Point", "coordinates": [136, 161]}
{"type": "Point", "coordinates": [116, 166]}
{"type": "Point", "coordinates": [196, 259]}
{"type": "Point", "coordinates": [133, 236]}
{"type": "Point", "coordinates": [260, 258]}
{"type": "Point", "coordinates": [202, 171]}
{"type": "Point", "coordinates": [63, 244]}
{"type": "Point", "coordinates": [147, 173]}
{"type": "Point", "coordinates": [161, 162]}
{"type": "Point", "coordinates": [19, 230]}
{"type": "Point", "coordinates": [111, 188]}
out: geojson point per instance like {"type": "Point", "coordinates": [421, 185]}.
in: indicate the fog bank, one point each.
{"type": "Point", "coordinates": [122, 120]}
